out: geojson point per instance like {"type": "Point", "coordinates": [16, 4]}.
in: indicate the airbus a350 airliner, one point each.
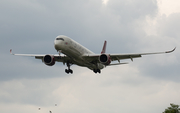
{"type": "Point", "coordinates": [74, 53]}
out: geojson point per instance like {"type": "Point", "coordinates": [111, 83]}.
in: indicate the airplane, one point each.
{"type": "Point", "coordinates": [75, 53]}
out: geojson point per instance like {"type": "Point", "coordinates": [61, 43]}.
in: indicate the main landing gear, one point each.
{"type": "Point", "coordinates": [69, 70]}
{"type": "Point", "coordinates": [97, 70]}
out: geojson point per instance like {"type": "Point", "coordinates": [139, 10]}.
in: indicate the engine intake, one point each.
{"type": "Point", "coordinates": [105, 59]}
{"type": "Point", "coordinates": [49, 60]}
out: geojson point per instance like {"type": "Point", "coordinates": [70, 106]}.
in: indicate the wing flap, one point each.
{"type": "Point", "coordinates": [116, 64]}
{"type": "Point", "coordinates": [124, 56]}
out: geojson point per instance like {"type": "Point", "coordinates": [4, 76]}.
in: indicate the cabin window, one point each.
{"type": "Point", "coordinates": [60, 39]}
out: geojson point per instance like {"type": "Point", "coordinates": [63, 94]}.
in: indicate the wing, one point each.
{"type": "Point", "coordinates": [131, 56]}
{"type": "Point", "coordinates": [57, 58]}
{"type": "Point", "coordinates": [118, 57]}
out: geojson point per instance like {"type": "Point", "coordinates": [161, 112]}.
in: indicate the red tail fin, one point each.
{"type": "Point", "coordinates": [104, 48]}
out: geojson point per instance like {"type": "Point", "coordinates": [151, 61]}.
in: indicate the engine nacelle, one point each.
{"type": "Point", "coordinates": [105, 59]}
{"type": "Point", "coordinates": [49, 60]}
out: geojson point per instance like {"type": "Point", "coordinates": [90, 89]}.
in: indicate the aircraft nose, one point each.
{"type": "Point", "coordinates": [56, 45]}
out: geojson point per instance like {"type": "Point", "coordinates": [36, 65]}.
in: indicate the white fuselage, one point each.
{"type": "Point", "coordinates": [75, 51]}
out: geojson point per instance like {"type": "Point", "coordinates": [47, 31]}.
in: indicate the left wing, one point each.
{"type": "Point", "coordinates": [118, 57]}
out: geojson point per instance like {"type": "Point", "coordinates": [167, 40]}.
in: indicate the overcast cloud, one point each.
{"type": "Point", "coordinates": [146, 85]}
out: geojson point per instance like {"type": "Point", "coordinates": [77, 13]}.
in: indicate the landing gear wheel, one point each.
{"type": "Point", "coordinates": [94, 70]}
{"type": "Point", "coordinates": [97, 70]}
{"type": "Point", "coordinates": [69, 71]}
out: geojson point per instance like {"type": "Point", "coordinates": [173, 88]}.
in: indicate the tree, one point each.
{"type": "Point", "coordinates": [173, 109]}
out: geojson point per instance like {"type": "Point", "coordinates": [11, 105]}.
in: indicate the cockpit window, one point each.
{"type": "Point", "coordinates": [60, 39]}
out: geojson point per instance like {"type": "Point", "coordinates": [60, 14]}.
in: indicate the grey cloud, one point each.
{"type": "Point", "coordinates": [131, 10]}
{"type": "Point", "coordinates": [165, 72]}
{"type": "Point", "coordinates": [86, 22]}
{"type": "Point", "coordinates": [30, 68]}
{"type": "Point", "coordinates": [31, 27]}
{"type": "Point", "coordinates": [87, 93]}
{"type": "Point", "coordinates": [169, 26]}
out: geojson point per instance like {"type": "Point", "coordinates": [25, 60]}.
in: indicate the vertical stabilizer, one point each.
{"type": "Point", "coordinates": [104, 47]}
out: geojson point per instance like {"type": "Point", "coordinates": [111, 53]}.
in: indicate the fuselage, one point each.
{"type": "Point", "coordinates": [75, 51]}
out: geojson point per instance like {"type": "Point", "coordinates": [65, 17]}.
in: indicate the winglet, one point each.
{"type": "Point", "coordinates": [11, 51]}
{"type": "Point", "coordinates": [104, 47]}
{"type": "Point", "coordinates": [170, 51]}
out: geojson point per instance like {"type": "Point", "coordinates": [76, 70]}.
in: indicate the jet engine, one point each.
{"type": "Point", "coordinates": [49, 60]}
{"type": "Point", "coordinates": [105, 59]}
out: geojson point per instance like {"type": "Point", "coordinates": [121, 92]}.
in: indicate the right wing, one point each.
{"type": "Point", "coordinates": [118, 57]}
{"type": "Point", "coordinates": [58, 58]}
{"type": "Point", "coordinates": [131, 56]}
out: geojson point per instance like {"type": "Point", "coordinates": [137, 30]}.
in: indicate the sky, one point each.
{"type": "Point", "coordinates": [146, 85]}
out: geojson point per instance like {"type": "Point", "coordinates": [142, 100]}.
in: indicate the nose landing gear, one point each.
{"type": "Point", "coordinates": [68, 70]}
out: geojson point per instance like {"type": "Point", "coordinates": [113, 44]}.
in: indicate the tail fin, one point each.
{"type": "Point", "coordinates": [104, 47]}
